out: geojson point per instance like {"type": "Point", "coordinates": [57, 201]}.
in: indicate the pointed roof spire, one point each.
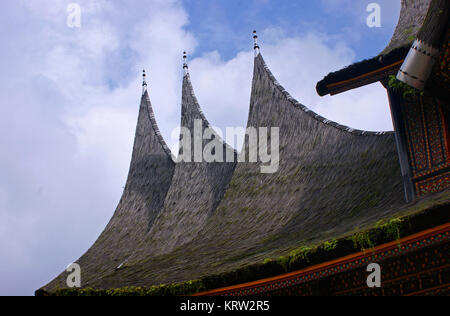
{"type": "Point", "coordinates": [256, 46]}
{"type": "Point", "coordinates": [144, 82]}
{"type": "Point", "coordinates": [185, 65]}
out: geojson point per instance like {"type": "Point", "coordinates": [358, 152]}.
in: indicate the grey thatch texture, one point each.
{"type": "Point", "coordinates": [196, 190]}
{"type": "Point", "coordinates": [435, 24]}
{"type": "Point", "coordinates": [147, 185]}
{"type": "Point", "coordinates": [412, 16]}
{"type": "Point", "coordinates": [331, 183]}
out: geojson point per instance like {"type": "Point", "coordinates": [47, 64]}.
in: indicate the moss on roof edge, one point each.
{"type": "Point", "coordinates": [422, 215]}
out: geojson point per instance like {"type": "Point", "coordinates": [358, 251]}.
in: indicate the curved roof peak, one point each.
{"type": "Point", "coordinates": [261, 65]}
{"type": "Point", "coordinates": [146, 103]}
{"type": "Point", "coordinates": [190, 107]}
{"type": "Point", "coordinates": [149, 178]}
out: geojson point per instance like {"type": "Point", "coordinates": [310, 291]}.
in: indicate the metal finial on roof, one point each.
{"type": "Point", "coordinates": [144, 82]}
{"type": "Point", "coordinates": [185, 65]}
{"type": "Point", "coordinates": [256, 46]}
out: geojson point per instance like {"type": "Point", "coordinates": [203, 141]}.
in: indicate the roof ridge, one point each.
{"type": "Point", "coordinates": [194, 97]}
{"type": "Point", "coordinates": [313, 114]}
{"type": "Point", "coordinates": [154, 124]}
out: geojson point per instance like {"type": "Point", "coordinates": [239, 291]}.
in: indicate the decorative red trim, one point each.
{"type": "Point", "coordinates": [445, 127]}
{"type": "Point", "coordinates": [433, 184]}
{"type": "Point", "coordinates": [425, 130]}
{"type": "Point", "coordinates": [365, 79]}
{"type": "Point", "coordinates": [386, 283]}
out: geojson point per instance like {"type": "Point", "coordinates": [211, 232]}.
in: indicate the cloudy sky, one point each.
{"type": "Point", "coordinates": [69, 99]}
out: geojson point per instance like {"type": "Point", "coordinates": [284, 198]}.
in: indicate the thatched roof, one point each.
{"type": "Point", "coordinates": [412, 16]}
{"type": "Point", "coordinates": [149, 179]}
{"type": "Point", "coordinates": [435, 25]}
{"type": "Point", "coordinates": [332, 181]}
